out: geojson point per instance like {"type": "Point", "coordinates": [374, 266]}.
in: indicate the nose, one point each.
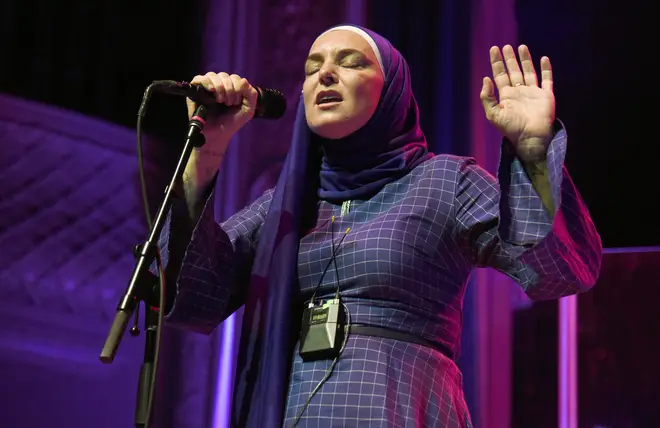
{"type": "Point", "coordinates": [327, 75]}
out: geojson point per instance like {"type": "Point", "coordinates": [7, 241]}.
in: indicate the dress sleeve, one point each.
{"type": "Point", "coordinates": [503, 224]}
{"type": "Point", "coordinates": [207, 265]}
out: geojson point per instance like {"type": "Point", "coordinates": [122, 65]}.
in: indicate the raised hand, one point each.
{"type": "Point", "coordinates": [525, 112]}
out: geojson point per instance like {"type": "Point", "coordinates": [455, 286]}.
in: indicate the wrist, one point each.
{"type": "Point", "coordinates": [200, 171]}
{"type": "Point", "coordinates": [196, 192]}
{"type": "Point", "coordinates": [208, 155]}
{"type": "Point", "coordinates": [217, 138]}
{"type": "Point", "coordinates": [532, 151]}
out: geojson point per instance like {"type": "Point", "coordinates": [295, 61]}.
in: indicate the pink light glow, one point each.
{"type": "Point", "coordinates": [568, 406]}
{"type": "Point", "coordinates": [224, 386]}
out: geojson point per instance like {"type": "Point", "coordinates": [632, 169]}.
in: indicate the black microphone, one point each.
{"type": "Point", "coordinates": [271, 103]}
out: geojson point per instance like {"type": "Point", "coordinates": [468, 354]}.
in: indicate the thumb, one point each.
{"type": "Point", "coordinates": [250, 97]}
{"type": "Point", "coordinates": [488, 99]}
{"type": "Point", "coordinates": [191, 105]}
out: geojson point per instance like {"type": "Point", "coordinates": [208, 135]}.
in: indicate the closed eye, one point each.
{"type": "Point", "coordinates": [347, 58]}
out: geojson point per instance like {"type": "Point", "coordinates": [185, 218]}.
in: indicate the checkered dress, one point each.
{"type": "Point", "coordinates": [403, 265]}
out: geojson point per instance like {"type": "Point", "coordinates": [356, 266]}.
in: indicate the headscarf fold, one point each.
{"type": "Point", "coordinates": [388, 147]}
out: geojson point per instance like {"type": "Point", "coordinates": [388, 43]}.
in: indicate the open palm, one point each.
{"type": "Point", "coordinates": [525, 112]}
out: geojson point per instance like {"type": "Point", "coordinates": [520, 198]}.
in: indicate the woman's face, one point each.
{"type": "Point", "coordinates": [343, 83]}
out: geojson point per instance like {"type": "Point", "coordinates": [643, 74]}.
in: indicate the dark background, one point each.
{"type": "Point", "coordinates": [602, 53]}
{"type": "Point", "coordinates": [604, 56]}
{"type": "Point", "coordinates": [98, 57]}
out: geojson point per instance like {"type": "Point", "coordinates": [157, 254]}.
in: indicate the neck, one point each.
{"type": "Point", "coordinates": [354, 154]}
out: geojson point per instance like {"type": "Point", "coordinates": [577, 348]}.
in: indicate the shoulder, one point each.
{"type": "Point", "coordinates": [445, 167]}
{"type": "Point", "coordinates": [450, 174]}
{"type": "Point", "coordinates": [434, 179]}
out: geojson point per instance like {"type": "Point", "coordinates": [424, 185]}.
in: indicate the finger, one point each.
{"type": "Point", "coordinates": [515, 75]}
{"type": "Point", "coordinates": [248, 93]}
{"type": "Point", "coordinates": [231, 97]}
{"type": "Point", "coordinates": [212, 83]}
{"type": "Point", "coordinates": [488, 99]}
{"type": "Point", "coordinates": [527, 66]}
{"type": "Point", "coordinates": [499, 69]}
{"type": "Point", "coordinates": [237, 84]}
{"type": "Point", "coordinates": [205, 81]}
{"type": "Point", "coordinates": [198, 79]}
{"type": "Point", "coordinates": [228, 88]}
{"type": "Point", "coordinates": [190, 104]}
{"type": "Point", "coordinates": [546, 74]}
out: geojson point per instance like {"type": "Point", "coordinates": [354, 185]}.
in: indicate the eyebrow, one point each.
{"type": "Point", "coordinates": [342, 53]}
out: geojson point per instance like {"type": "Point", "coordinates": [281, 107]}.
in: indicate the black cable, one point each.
{"type": "Point", "coordinates": [143, 183]}
{"type": "Point", "coordinates": [330, 369]}
{"type": "Point", "coordinates": [328, 372]}
{"type": "Point", "coordinates": [332, 239]}
{"type": "Point", "coordinates": [334, 254]}
{"type": "Point", "coordinates": [147, 212]}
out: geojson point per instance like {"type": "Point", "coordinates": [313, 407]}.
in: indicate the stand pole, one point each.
{"type": "Point", "coordinates": [147, 372]}
{"type": "Point", "coordinates": [141, 287]}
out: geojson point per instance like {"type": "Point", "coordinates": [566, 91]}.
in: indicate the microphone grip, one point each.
{"type": "Point", "coordinates": [198, 94]}
{"type": "Point", "coordinates": [271, 103]}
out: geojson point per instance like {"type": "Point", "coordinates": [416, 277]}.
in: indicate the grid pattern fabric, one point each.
{"type": "Point", "coordinates": [403, 265]}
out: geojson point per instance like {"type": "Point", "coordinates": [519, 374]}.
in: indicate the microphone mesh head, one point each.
{"type": "Point", "coordinates": [271, 104]}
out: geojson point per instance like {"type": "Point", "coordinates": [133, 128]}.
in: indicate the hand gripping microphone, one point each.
{"type": "Point", "coordinates": [271, 104]}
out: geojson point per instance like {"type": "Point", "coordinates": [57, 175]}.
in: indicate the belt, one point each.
{"type": "Point", "coordinates": [386, 333]}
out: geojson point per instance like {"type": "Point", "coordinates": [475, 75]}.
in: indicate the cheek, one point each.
{"type": "Point", "coordinates": [308, 101]}
{"type": "Point", "coordinates": [368, 94]}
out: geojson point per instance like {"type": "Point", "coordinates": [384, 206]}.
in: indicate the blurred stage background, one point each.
{"type": "Point", "coordinates": [72, 74]}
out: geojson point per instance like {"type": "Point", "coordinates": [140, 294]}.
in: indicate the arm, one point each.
{"type": "Point", "coordinates": [207, 265]}
{"type": "Point", "coordinates": [199, 177]}
{"type": "Point", "coordinates": [507, 226]}
{"type": "Point", "coordinates": [539, 175]}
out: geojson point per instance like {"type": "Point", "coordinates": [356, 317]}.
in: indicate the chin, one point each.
{"type": "Point", "coordinates": [330, 132]}
{"type": "Point", "coordinates": [331, 129]}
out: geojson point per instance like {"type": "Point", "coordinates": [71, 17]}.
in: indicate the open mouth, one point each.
{"type": "Point", "coordinates": [328, 97]}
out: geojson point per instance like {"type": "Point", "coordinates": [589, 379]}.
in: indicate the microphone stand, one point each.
{"type": "Point", "coordinates": [142, 284]}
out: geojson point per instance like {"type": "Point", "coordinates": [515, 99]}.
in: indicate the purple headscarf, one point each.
{"type": "Point", "coordinates": [389, 146]}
